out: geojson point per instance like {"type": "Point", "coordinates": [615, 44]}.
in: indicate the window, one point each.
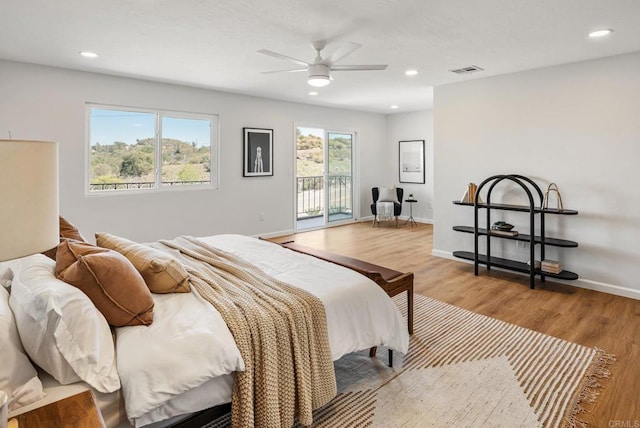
{"type": "Point", "coordinates": [131, 149]}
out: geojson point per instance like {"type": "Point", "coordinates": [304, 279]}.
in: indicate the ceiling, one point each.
{"type": "Point", "coordinates": [213, 43]}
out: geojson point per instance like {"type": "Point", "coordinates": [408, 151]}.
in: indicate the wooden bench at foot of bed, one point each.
{"type": "Point", "coordinates": [391, 281]}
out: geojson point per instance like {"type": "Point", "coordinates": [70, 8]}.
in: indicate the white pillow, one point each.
{"type": "Point", "coordinates": [18, 378]}
{"type": "Point", "coordinates": [61, 329]}
{"type": "Point", "coordinates": [388, 194]}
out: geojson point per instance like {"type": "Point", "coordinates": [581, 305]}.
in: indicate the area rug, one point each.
{"type": "Point", "coordinates": [465, 370]}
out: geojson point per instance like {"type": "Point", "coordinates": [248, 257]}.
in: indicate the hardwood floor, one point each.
{"type": "Point", "coordinates": [586, 317]}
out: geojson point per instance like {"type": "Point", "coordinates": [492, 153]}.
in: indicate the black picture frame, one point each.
{"type": "Point", "coordinates": [411, 161]}
{"type": "Point", "coordinates": [258, 152]}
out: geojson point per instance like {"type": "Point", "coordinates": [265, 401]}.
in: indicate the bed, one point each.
{"type": "Point", "coordinates": [184, 361]}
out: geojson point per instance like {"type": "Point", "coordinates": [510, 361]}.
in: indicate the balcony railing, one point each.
{"type": "Point", "coordinates": [311, 193]}
{"type": "Point", "coordinates": [97, 187]}
{"type": "Point", "coordinates": [311, 196]}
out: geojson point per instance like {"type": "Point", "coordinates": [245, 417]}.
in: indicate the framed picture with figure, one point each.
{"type": "Point", "coordinates": [411, 161]}
{"type": "Point", "coordinates": [258, 152]}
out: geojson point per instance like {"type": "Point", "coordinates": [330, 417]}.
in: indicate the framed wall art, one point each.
{"type": "Point", "coordinates": [411, 161]}
{"type": "Point", "coordinates": [258, 152]}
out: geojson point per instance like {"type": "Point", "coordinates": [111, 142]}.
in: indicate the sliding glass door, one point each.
{"type": "Point", "coordinates": [339, 189]}
{"type": "Point", "coordinates": [324, 177]}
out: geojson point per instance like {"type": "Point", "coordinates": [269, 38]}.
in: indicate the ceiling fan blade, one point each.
{"type": "Point", "coordinates": [291, 70]}
{"type": "Point", "coordinates": [281, 56]}
{"type": "Point", "coordinates": [346, 49]}
{"type": "Point", "coordinates": [358, 67]}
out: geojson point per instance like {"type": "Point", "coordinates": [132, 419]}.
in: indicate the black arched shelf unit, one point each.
{"type": "Point", "coordinates": [534, 194]}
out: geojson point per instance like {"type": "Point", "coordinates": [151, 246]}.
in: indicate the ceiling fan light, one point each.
{"type": "Point", "coordinates": [319, 75]}
{"type": "Point", "coordinates": [318, 81]}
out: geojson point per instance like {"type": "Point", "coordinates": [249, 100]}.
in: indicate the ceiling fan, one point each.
{"type": "Point", "coordinates": [319, 71]}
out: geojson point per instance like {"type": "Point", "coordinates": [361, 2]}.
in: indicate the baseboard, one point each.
{"type": "Point", "coordinates": [274, 234]}
{"type": "Point", "coordinates": [605, 288]}
{"type": "Point", "coordinates": [580, 282]}
{"type": "Point", "coordinates": [445, 255]}
{"type": "Point", "coordinates": [369, 218]}
{"type": "Point", "coordinates": [417, 219]}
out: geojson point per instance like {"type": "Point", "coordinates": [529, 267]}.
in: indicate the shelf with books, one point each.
{"type": "Point", "coordinates": [502, 230]}
{"type": "Point", "coordinates": [514, 265]}
{"type": "Point", "coordinates": [521, 208]}
{"type": "Point", "coordinates": [554, 242]}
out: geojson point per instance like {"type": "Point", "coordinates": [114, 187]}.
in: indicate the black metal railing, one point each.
{"type": "Point", "coordinates": [98, 187]}
{"type": "Point", "coordinates": [311, 196]}
{"type": "Point", "coordinates": [174, 183]}
{"type": "Point", "coordinates": [311, 193]}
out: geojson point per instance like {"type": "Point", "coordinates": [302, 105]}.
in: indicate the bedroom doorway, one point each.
{"type": "Point", "coordinates": [324, 177]}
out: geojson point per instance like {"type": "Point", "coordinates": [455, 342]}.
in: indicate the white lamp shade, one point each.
{"type": "Point", "coordinates": [29, 198]}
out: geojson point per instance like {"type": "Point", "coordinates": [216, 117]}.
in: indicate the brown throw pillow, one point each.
{"type": "Point", "coordinates": [112, 283]}
{"type": "Point", "coordinates": [161, 272]}
{"type": "Point", "coordinates": [67, 231]}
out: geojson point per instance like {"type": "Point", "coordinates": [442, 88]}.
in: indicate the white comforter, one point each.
{"type": "Point", "coordinates": [189, 347]}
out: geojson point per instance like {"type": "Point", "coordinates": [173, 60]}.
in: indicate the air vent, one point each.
{"type": "Point", "coordinates": [467, 70]}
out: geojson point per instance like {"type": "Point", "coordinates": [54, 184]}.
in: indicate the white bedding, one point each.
{"type": "Point", "coordinates": [359, 313]}
{"type": "Point", "coordinates": [187, 345]}
{"type": "Point", "coordinates": [177, 365]}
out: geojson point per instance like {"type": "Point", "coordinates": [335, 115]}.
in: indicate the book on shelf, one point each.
{"type": "Point", "coordinates": [551, 266]}
{"type": "Point", "coordinates": [469, 196]}
{"type": "Point", "coordinates": [504, 232]}
{"type": "Point", "coordinates": [536, 264]}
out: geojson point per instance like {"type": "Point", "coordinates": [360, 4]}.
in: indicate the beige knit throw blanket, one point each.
{"type": "Point", "coordinates": [281, 332]}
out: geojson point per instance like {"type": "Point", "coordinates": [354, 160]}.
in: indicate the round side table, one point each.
{"type": "Point", "coordinates": [411, 220]}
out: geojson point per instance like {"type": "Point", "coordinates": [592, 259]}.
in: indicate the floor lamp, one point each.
{"type": "Point", "coordinates": [28, 198]}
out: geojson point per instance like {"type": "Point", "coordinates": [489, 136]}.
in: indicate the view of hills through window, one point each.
{"type": "Point", "coordinates": [310, 153]}
{"type": "Point", "coordinates": [124, 150]}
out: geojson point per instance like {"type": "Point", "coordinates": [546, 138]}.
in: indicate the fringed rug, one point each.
{"type": "Point", "coordinates": [465, 370]}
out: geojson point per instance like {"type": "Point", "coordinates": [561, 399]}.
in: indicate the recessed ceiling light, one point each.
{"type": "Point", "coordinates": [600, 33]}
{"type": "Point", "coordinates": [411, 72]}
{"type": "Point", "coordinates": [394, 107]}
{"type": "Point", "coordinates": [313, 93]}
{"type": "Point", "coordinates": [88, 54]}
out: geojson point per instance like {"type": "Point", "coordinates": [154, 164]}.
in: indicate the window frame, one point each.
{"type": "Point", "coordinates": [214, 149]}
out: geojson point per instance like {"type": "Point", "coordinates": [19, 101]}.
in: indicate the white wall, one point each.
{"type": "Point", "coordinates": [412, 126]}
{"type": "Point", "coordinates": [38, 102]}
{"type": "Point", "coordinates": [576, 125]}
